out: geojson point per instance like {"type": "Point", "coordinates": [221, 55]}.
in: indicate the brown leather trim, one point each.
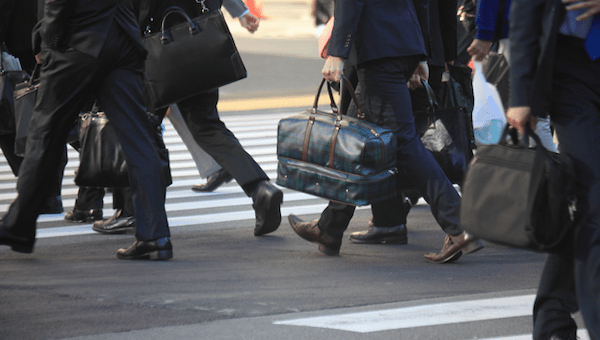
{"type": "Point", "coordinates": [333, 142]}
{"type": "Point", "coordinates": [309, 125]}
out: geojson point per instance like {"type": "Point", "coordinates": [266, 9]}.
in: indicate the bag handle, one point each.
{"type": "Point", "coordinates": [192, 26]}
{"type": "Point", "coordinates": [334, 107]}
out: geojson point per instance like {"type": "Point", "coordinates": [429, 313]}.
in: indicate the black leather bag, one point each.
{"type": "Point", "coordinates": [191, 57]}
{"type": "Point", "coordinates": [101, 160]}
{"type": "Point", "coordinates": [337, 157]}
{"type": "Point", "coordinates": [8, 81]}
{"type": "Point", "coordinates": [518, 196]}
{"type": "Point", "coordinates": [25, 95]}
{"type": "Point", "coordinates": [446, 134]}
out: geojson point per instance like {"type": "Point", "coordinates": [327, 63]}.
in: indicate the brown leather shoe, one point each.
{"type": "Point", "coordinates": [310, 231]}
{"type": "Point", "coordinates": [454, 247]}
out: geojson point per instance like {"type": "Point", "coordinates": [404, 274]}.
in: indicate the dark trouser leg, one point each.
{"type": "Point", "coordinates": [120, 95]}
{"type": "Point", "coordinates": [390, 213]}
{"type": "Point", "coordinates": [555, 299]}
{"type": "Point", "coordinates": [89, 198]}
{"type": "Point", "coordinates": [211, 134]}
{"type": "Point", "coordinates": [575, 114]}
{"type": "Point", "coordinates": [122, 200]}
{"type": "Point", "coordinates": [389, 105]}
{"type": "Point", "coordinates": [335, 219]}
{"type": "Point", "coordinates": [7, 144]}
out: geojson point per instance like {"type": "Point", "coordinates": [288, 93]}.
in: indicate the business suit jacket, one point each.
{"type": "Point", "coordinates": [380, 29]}
{"type": "Point", "coordinates": [534, 26]}
{"type": "Point", "coordinates": [84, 25]}
{"type": "Point", "coordinates": [17, 19]}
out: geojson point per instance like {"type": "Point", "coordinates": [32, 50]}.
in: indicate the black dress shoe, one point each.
{"type": "Point", "coordinates": [566, 335]}
{"type": "Point", "coordinates": [53, 205]}
{"type": "Point", "coordinates": [16, 243]}
{"type": "Point", "coordinates": [310, 231]}
{"type": "Point", "coordinates": [396, 234]}
{"type": "Point", "coordinates": [267, 207]}
{"type": "Point", "coordinates": [160, 249]}
{"type": "Point", "coordinates": [83, 216]}
{"type": "Point", "coordinates": [213, 181]}
{"type": "Point", "coordinates": [116, 224]}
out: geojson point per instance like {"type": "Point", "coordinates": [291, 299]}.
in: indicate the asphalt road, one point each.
{"type": "Point", "coordinates": [224, 283]}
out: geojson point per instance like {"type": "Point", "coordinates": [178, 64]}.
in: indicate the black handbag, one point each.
{"type": "Point", "coordinates": [25, 96]}
{"type": "Point", "coordinates": [337, 157]}
{"type": "Point", "coordinates": [446, 133]}
{"type": "Point", "coordinates": [518, 196]}
{"type": "Point", "coordinates": [101, 159]}
{"type": "Point", "coordinates": [191, 57]}
{"type": "Point", "coordinates": [8, 80]}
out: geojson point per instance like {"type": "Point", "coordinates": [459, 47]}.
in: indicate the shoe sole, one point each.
{"type": "Point", "coordinates": [273, 218]}
{"type": "Point", "coordinates": [87, 220]}
{"type": "Point", "coordinates": [386, 240]}
{"type": "Point", "coordinates": [159, 255]}
{"type": "Point", "coordinates": [328, 251]}
{"type": "Point", "coordinates": [451, 258]}
{"type": "Point", "coordinates": [199, 188]}
{"type": "Point", "coordinates": [472, 247]}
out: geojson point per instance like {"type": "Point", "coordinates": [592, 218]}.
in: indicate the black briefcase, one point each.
{"type": "Point", "coordinates": [518, 196]}
{"type": "Point", "coordinates": [336, 157]}
{"type": "Point", "coordinates": [191, 57]}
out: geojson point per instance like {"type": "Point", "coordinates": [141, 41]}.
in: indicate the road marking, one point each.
{"type": "Point", "coordinates": [424, 315]}
{"type": "Point", "coordinates": [270, 103]}
{"type": "Point", "coordinates": [582, 334]}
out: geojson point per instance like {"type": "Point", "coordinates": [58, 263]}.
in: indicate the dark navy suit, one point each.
{"type": "Point", "coordinates": [390, 38]}
{"type": "Point", "coordinates": [89, 49]}
{"type": "Point", "coordinates": [552, 73]}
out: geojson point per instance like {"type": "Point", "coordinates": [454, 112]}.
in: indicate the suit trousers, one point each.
{"type": "Point", "coordinates": [388, 104]}
{"type": "Point", "coordinates": [68, 80]}
{"type": "Point", "coordinates": [575, 115]}
{"type": "Point", "coordinates": [211, 134]}
{"type": "Point", "coordinates": [206, 165]}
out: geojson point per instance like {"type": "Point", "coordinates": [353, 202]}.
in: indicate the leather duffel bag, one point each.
{"type": "Point", "coordinates": [336, 157]}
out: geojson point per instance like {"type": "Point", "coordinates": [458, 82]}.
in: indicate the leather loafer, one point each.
{"type": "Point", "coordinates": [83, 216]}
{"type": "Point", "coordinates": [213, 181]}
{"type": "Point", "coordinates": [267, 207]}
{"type": "Point", "coordinates": [310, 231]}
{"type": "Point", "coordinates": [397, 235]}
{"type": "Point", "coordinates": [160, 249]}
{"type": "Point", "coordinates": [454, 247]}
{"type": "Point", "coordinates": [116, 224]}
{"type": "Point", "coordinates": [16, 243]}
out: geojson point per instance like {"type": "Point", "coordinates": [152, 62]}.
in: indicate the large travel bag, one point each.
{"type": "Point", "coordinates": [336, 157]}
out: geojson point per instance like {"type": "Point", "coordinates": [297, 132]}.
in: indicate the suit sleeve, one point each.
{"type": "Point", "coordinates": [6, 11]}
{"type": "Point", "coordinates": [422, 9]}
{"type": "Point", "coordinates": [345, 23]}
{"type": "Point", "coordinates": [54, 29]}
{"type": "Point", "coordinates": [525, 33]}
{"type": "Point", "coordinates": [235, 7]}
{"type": "Point", "coordinates": [448, 22]}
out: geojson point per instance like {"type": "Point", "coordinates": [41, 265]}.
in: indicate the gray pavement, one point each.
{"type": "Point", "coordinates": [225, 283]}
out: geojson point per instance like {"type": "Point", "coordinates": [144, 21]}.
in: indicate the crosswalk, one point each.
{"type": "Point", "coordinates": [257, 132]}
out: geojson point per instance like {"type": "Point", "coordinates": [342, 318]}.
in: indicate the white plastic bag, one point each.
{"type": "Point", "coordinates": [489, 118]}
